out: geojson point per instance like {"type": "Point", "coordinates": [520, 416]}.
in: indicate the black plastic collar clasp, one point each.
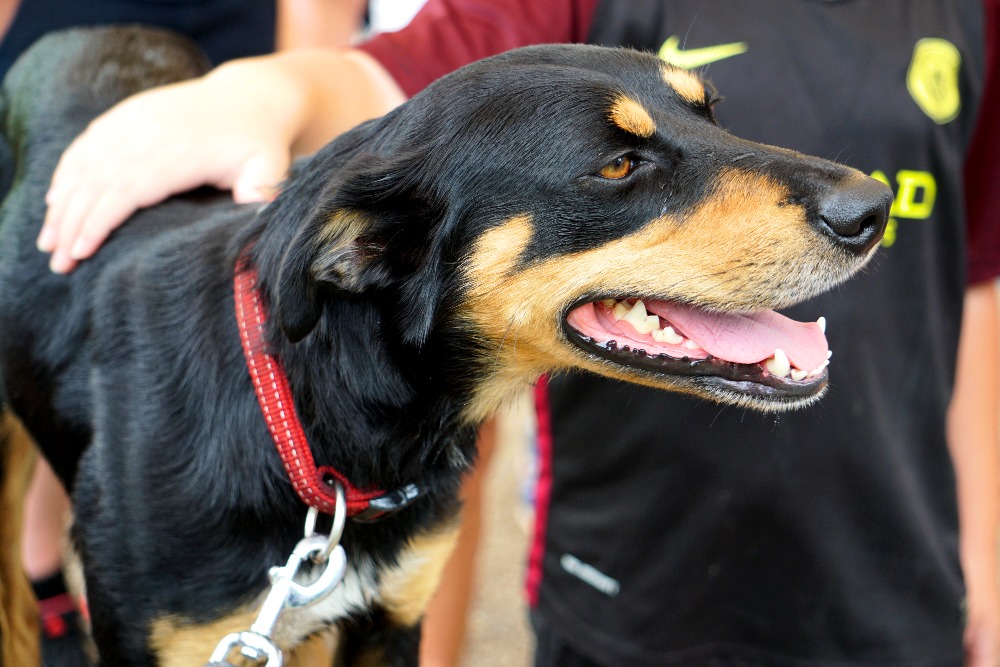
{"type": "Point", "coordinates": [388, 504]}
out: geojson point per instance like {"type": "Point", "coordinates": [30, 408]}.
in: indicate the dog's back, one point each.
{"type": "Point", "coordinates": [66, 79]}
{"type": "Point", "coordinates": [48, 97]}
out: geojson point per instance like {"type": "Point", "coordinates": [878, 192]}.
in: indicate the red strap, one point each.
{"type": "Point", "coordinates": [275, 398]}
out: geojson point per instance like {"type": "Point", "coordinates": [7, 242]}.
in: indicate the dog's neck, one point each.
{"type": "Point", "coordinates": [398, 425]}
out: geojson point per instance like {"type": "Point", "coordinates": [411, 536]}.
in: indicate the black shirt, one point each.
{"type": "Point", "coordinates": [679, 532]}
{"type": "Point", "coordinates": [224, 29]}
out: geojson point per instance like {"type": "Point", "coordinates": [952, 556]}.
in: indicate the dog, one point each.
{"type": "Point", "coordinates": [550, 209]}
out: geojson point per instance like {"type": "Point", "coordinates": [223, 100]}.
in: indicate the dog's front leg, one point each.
{"type": "Point", "coordinates": [390, 635]}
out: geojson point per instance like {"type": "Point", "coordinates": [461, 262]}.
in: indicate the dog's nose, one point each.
{"type": "Point", "coordinates": [854, 214]}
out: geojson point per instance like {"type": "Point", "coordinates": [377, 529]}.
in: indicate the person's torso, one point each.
{"type": "Point", "coordinates": [681, 532]}
{"type": "Point", "coordinates": [224, 29]}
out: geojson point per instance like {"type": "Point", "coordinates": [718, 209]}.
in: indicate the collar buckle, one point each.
{"type": "Point", "coordinates": [387, 504]}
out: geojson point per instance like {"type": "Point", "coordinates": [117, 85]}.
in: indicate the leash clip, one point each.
{"type": "Point", "coordinates": [251, 645]}
{"type": "Point", "coordinates": [325, 550]}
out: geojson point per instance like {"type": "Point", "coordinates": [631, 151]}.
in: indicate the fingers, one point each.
{"type": "Point", "coordinates": [228, 129]}
{"type": "Point", "coordinates": [102, 179]}
{"type": "Point", "coordinates": [68, 205]}
{"type": "Point", "coordinates": [982, 643]}
{"type": "Point", "coordinates": [260, 177]}
{"type": "Point", "coordinates": [76, 226]}
{"type": "Point", "coordinates": [83, 212]}
{"type": "Point", "coordinates": [83, 208]}
{"type": "Point", "coordinates": [94, 189]}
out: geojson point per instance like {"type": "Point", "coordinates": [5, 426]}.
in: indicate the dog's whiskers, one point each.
{"type": "Point", "coordinates": [503, 340]}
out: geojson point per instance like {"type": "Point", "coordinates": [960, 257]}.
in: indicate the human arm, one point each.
{"type": "Point", "coordinates": [238, 126]}
{"type": "Point", "coordinates": [972, 428]}
{"type": "Point", "coordinates": [972, 439]}
{"type": "Point", "coordinates": [235, 128]}
{"type": "Point", "coordinates": [318, 23]}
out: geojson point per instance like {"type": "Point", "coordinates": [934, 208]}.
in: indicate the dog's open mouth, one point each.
{"type": "Point", "coordinates": [759, 354]}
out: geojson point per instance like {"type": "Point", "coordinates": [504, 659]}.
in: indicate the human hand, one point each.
{"type": "Point", "coordinates": [231, 129]}
{"type": "Point", "coordinates": [235, 128]}
{"type": "Point", "coordinates": [982, 636]}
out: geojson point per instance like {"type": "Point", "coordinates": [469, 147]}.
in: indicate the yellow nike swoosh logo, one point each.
{"type": "Point", "coordinates": [691, 58]}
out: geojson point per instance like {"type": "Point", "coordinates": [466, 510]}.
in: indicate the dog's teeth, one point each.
{"type": "Point", "coordinates": [822, 324]}
{"type": "Point", "coordinates": [778, 364]}
{"type": "Point", "coordinates": [620, 310]}
{"type": "Point", "coordinates": [668, 335]}
{"type": "Point", "coordinates": [639, 308]}
{"type": "Point", "coordinates": [798, 374]}
{"type": "Point", "coordinates": [610, 303]}
{"type": "Point", "coordinates": [819, 369]}
{"type": "Point", "coordinates": [829, 353]}
{"type": "Point", "coordinates": [691, 345]}
{"type": "Point", "coordinates": [640, 320]}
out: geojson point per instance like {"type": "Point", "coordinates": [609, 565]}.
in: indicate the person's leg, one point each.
{"type": "Point", "coordinates": [46, 510]}
{"type": "Point", "coordinates": [43, 543]}
{"type": "Point", "coordinates": [18, 613]}
{"type": "Point", "coordinates": [445, 622]}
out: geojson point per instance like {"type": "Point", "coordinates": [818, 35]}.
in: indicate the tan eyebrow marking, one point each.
{"type": "Point", "coordinates": [686, 84]}
{"type": "Point", "coordinates": [632, 117]}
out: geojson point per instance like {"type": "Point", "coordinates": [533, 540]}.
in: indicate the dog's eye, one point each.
{"type": "Point", "coordinates": [618, 168]}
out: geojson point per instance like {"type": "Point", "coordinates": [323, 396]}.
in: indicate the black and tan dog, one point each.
{"type": "Point", "coordinates": [553, 208]}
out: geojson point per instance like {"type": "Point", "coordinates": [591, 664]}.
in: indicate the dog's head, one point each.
{"type": "Point", "coordinates": [578, 207]}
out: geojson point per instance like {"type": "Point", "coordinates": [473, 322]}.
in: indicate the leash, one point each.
{"type": "Point", "coordinates": [323, 488]}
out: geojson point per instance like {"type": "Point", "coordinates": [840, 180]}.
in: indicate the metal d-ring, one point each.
{"type": "Point", "coordinates": [337, 527]}
{"type": "Point", "coordinates": [285, 593]}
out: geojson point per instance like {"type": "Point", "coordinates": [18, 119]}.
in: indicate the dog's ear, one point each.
{"type": "Point", "coordinates": [410, 222]}
{"type": "Point", "coordinates": [325, 255]}
{"type": "Point", "coordinates": [304, 243]}
{"type": "Point", "coordinates": [360, 214]}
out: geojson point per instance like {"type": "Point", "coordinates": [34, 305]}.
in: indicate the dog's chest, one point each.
{"type": "Point", "coordinates": [357, 593]}
{"type": "Point", "coordinates": [402, 591]}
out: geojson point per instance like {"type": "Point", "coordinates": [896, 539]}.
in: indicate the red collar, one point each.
{"type": "Point", "coordinates": [275, 397]}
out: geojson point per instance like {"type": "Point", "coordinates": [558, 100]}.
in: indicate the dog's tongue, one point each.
{"type": "Point", "coordinates": [748, 337]}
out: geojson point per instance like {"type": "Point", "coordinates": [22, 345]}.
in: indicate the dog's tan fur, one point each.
{"type": "Point", "coordinates": [632, 117]}
{"type": "Point", "coordinates": [687, 85]}
{"type": "Point", "coordinates": [768, 258]}
{"type": "Point", "coordinates": [18, 609]}
{"type": "Point", "coordinates": [407, 589]}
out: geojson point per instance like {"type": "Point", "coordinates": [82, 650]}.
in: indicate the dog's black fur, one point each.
{"type": "Point", "coordinates": [129, 372]}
